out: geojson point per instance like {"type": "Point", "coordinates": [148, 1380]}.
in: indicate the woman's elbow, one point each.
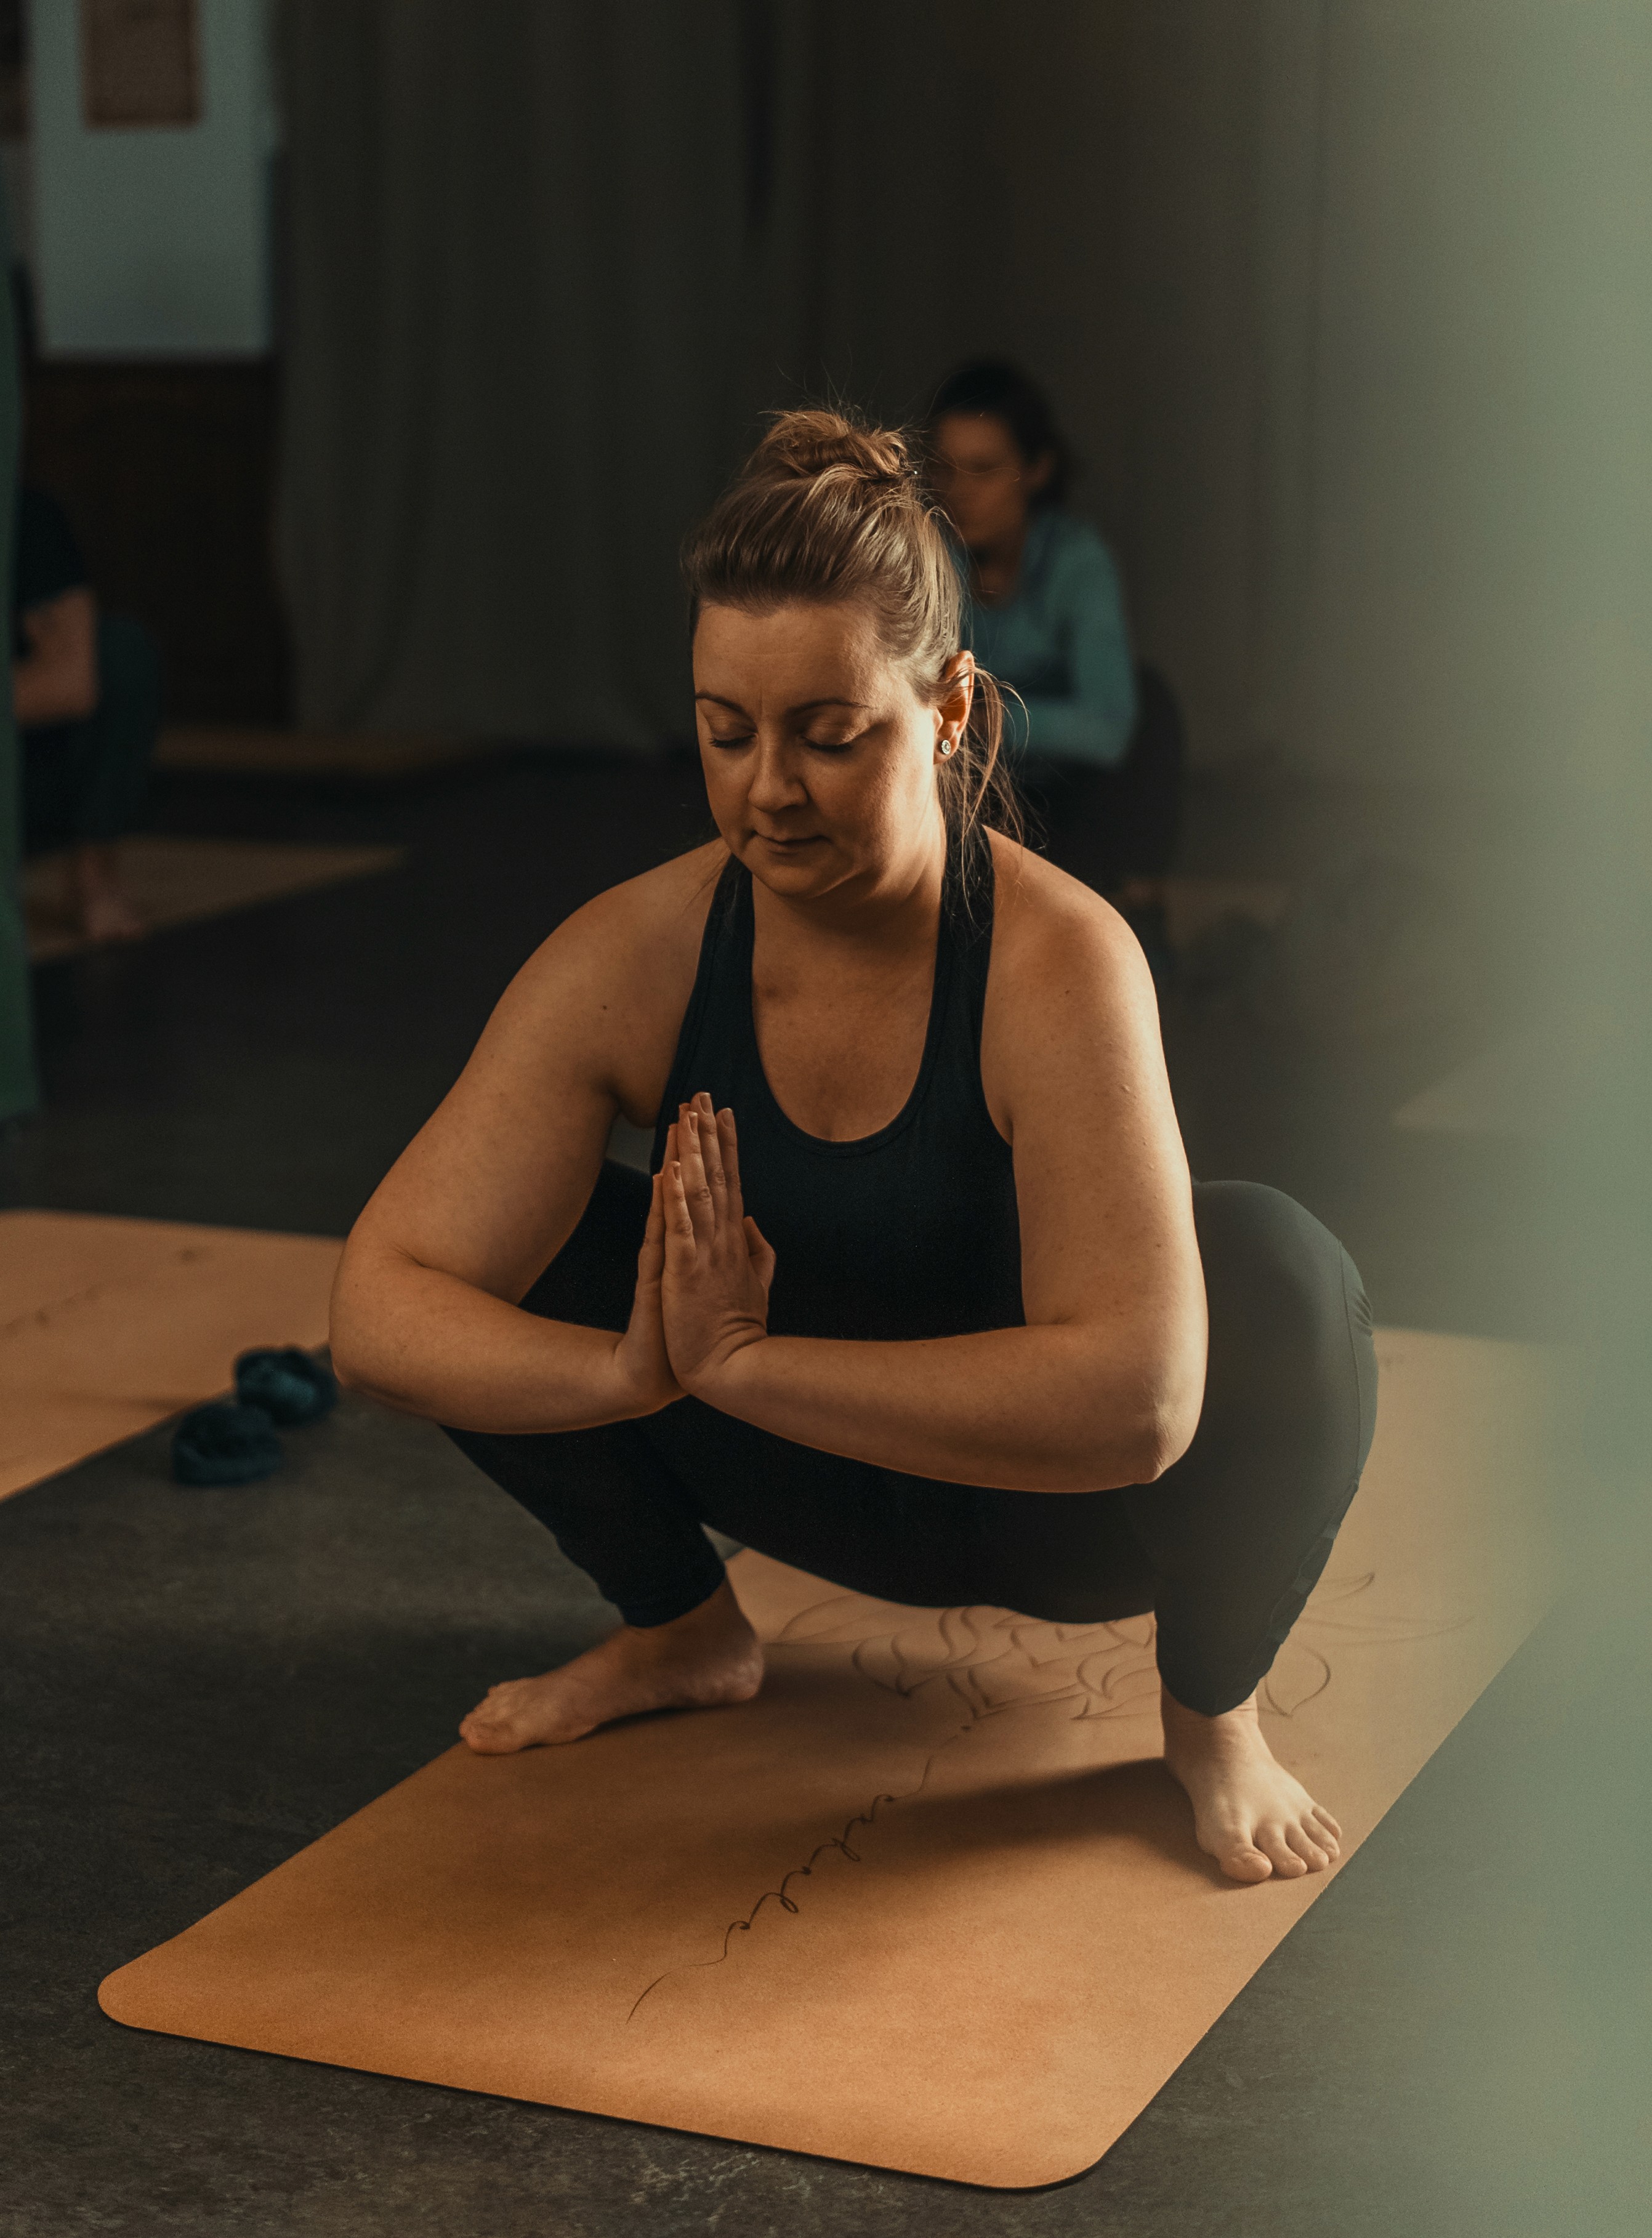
{"type": "Point", "coordinates": [1137, 1446]}
{"type": "Point", "coordinates": [347, 1351]}
{"type": "Point", "coordinates": [1159, 1450]}
{"type": "Point", "coordinates": [1167, 1429]}
{"type": "Point", "coordinates": [348, 1368]}
{"type": "Point", "coordinates": [365, 1376]}
{"type": "Point", "coordinates": [351, 1320]}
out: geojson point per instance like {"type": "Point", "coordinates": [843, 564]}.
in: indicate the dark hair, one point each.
{"type": "Point", "coordinates": [993, 385]}
{"type": "Point", "coordinates": [828, 509]}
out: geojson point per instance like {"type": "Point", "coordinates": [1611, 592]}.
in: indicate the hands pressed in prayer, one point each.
{"type": "Point", "coordinates": [715, 1266]}
{"type": "Point", "coordinates": [641, 1355]}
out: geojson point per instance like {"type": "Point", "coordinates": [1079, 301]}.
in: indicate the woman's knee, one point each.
{"type": "Point", "coordinates": [592, 1278]}
{"type": "Point", "coordinates": [1289, 1317]}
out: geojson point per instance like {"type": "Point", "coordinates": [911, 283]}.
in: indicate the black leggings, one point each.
{"type": "Point", "coordinates": [1224, 1547]}
{"type": "Point", "coordinates": [84, 782]}
{"type": "Point", "coordinates": [1107, 825]}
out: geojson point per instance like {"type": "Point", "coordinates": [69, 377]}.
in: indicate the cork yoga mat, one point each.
{"type": "Point", "coordinates": [931, 1902]}
{"type": "Point", "coordinates": [177, 881]}
{"type": "Point", "coordinates": [109, 1326]}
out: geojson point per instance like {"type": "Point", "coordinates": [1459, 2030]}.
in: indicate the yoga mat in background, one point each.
{"type": "Point", "coordinates": [109, 1326]}
{"type": "Point", "coordinates": [175, 881]}
{"type": "Point", "coordinates": [930, 1902]}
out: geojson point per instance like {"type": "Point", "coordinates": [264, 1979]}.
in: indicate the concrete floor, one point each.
{"type": "Point", "coordinates": [196, 1683]}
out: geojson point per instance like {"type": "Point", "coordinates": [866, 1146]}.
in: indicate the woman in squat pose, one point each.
{"type": "Point", "coordinates": [916, 1299]}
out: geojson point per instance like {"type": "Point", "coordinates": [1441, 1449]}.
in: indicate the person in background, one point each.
{"type": "Point", "coordinates": [1096, 742]}
{"type": "Point", "coordinates": [86, 689]}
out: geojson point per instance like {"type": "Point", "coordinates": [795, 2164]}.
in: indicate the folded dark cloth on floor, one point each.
{"type": "Point", "coordinates": [224, 1443]}
{"type": "Point", "coordinates": [291, 1386]}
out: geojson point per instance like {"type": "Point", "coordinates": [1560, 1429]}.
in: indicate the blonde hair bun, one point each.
{"type": "Point", "coordinates": [803, 446]}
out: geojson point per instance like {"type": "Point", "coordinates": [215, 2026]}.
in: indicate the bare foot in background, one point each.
{"type": "Point", "coordinates": [99, 906]}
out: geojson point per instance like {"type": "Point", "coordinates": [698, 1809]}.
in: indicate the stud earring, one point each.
{"type": "Point", "coordinates": [947, 748]}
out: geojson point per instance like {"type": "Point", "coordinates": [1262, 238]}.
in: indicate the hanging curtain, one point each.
{"type": "Point", "coordinates": [19, 1090]}
{"type": "Point", "coordinates": [516, 353]}
{"type": "Point", "coordinates": [548, 262]}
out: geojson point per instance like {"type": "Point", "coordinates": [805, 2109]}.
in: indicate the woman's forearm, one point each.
{"type": "Point", "coordinates": [1035, 1409]}
{"type": "Point", "coordinates": [47, 691]}
{"type": "Point", "coordinates": [1080, 729]}
{"type": "Point", "coordinates": [430, 1344]}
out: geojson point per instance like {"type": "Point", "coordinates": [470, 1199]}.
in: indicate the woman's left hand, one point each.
{"type": "Point", "coordinates": [717, 1265]}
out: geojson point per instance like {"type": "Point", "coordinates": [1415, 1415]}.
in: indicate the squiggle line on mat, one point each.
{"type": "Point", "coordinates": [1096, 1668]}
{"type": "Point", "coordinates": [959, 1669]}
{"type": "Point", "coordinates": [840, 1841]}
{"type": "Point", "coordinates": [1300, 1673]}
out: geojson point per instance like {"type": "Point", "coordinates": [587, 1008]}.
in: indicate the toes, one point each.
{"type": "Point", "coordinates": [1271, 1842]}
{"type": "Point", "coordinates": [1302, 1840]}
{"type": "Point", "coordinates": [1325, 1829]}
{"type": "Point", "coordinates": [1244, 1862]}
{"type": "Point", "coordinates": [1247, 1863]}
{"type": "Point", "coordinates": [483, 1738]}
{"type": "Point", "coordinates": [485, 1731]}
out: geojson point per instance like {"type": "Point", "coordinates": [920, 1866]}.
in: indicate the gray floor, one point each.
{"type": "Point", "coordinates": [198, 1683]}
{"type": "Point", "coordinates": [195, 1684]}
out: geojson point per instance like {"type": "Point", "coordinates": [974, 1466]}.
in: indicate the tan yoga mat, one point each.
{"type": "Point", "coordinates": [109, 1326]}
{"type": "Point", "coordinates": [931, 1902]}
{"type": "Point", "coordinates": [174, 881]}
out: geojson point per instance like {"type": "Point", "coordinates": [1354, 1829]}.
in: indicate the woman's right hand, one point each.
{"type": "Point", "coordinates": [640, 1356]}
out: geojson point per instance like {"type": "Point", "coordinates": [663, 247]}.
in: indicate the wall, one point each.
{"type": "Point", "coordinates": [154, 243]}
{"type": "Point", "coordinates": [1334, 300]}
{"type": "Point", "coordinates": [1386, 473]}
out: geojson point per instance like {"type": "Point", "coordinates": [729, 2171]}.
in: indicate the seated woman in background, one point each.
{"type": "Point", "coordinates": [964, 1358]}
{"type": "Point", "coordinates": [86, 691]}
{"type": "Point", "coordinates": [1099, 759]}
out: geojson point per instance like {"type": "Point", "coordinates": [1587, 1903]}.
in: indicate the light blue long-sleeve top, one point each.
{"type": "Point", "coordinates": [1061, 641]}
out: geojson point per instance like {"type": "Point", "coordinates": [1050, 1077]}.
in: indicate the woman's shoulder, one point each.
{"type": "Point", "coordinates": [1054, 939]}
{"type": "Point", "coordinates": [1071, 1021]}
{"type": "Point", "coordinates": [630, 953]}
{"type": "Point", "coordinates": [667, 903]}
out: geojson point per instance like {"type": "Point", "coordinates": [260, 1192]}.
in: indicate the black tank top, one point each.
{"type": "Point", "coordinates": [911, 1232]}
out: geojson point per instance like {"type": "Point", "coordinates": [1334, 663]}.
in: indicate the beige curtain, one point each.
{"type": "Point", "coordinates": [549, 262]}
{"type": "Point", "coordinates": [518, 247]}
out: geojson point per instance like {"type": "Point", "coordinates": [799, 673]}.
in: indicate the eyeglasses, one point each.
{"type": "Point", "coordinates": [947, 470]}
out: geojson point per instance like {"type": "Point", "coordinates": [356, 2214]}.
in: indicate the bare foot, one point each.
{"type": "Point", "coordinates": [112, 916]}
{"type": "Point", "coordinates": [98, 903]}
{"type": "Point", "coordinates": [710, 1655]}
{"type": "Point", "coordinates": [1249, 1813]}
